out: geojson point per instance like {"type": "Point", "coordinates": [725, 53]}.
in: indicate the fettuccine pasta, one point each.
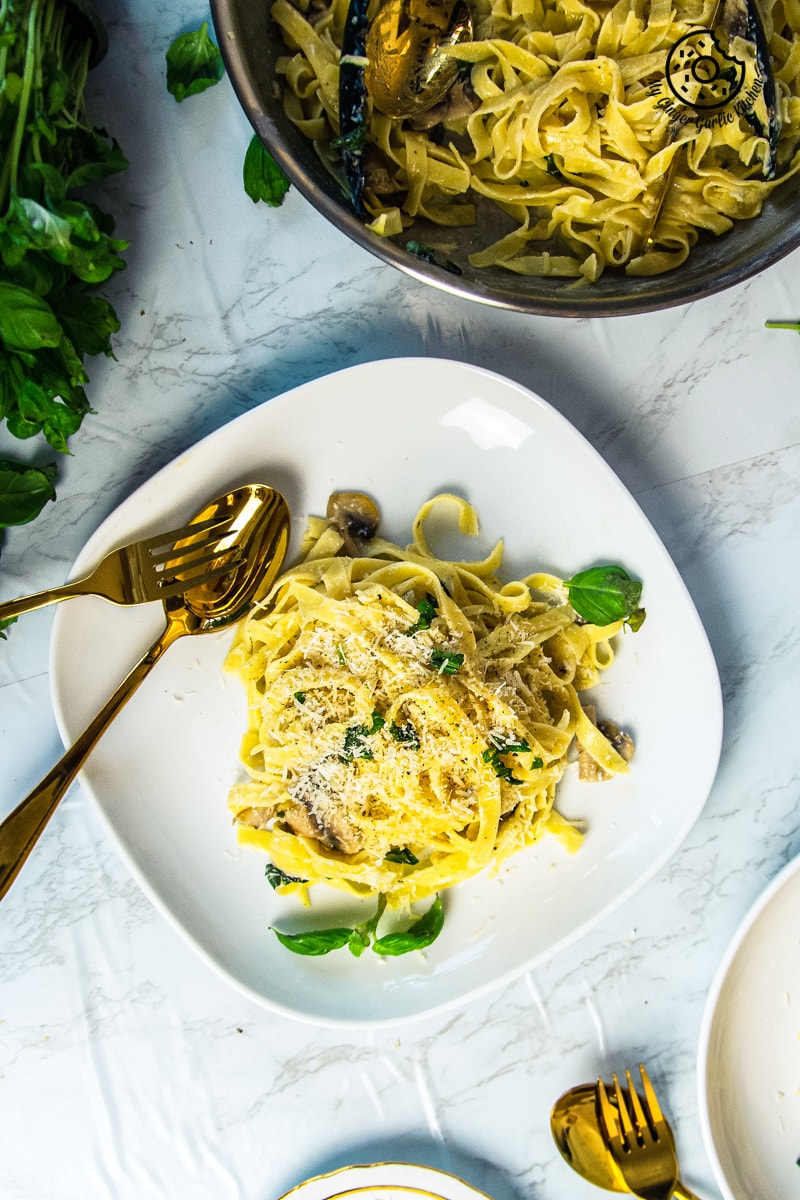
{"type": "Point", "coordinates": [563, 122]}
{"type": "Point", "coordinates": [410, 717]}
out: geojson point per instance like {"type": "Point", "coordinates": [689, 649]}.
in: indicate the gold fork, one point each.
{"type": "Point", "coordinates": [154, 568]}
{"type": "Point", "coordinates": [640, 1140]}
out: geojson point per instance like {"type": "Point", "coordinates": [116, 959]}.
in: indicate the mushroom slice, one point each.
{"type": "Point", "coordinates": [590, 771]}
{"type": "Point", "coordinates": [356, 517]}
{"type": "Point", "coordinates": [316, 813]}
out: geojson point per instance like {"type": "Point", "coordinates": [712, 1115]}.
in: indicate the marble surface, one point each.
{"type": "Point", "coordinates": [129, 1070]}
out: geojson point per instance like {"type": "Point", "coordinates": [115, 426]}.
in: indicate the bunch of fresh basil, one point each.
{"type": "Point", "coordinates": [56, 246]}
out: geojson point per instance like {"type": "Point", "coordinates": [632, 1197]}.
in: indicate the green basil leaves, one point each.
{"type": "Point", "coordinates": [24, 491]}
{"type": "Point", "coordinates": [422, 933]}
{"type": "Point", "coordinates": [263, 178]}
{"type": "Point", "coordinates": [56, 246]}
{"type": "Point", "coordinates": [603, 595]}
{"type": "Point", "coordinates": [194, 63]}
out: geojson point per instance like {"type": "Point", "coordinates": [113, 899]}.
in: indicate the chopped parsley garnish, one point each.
{"type": "Point", "coordinates": [340, 654]}
{"type": "Point", "coordinates": [355, 739]}
{"type": "Point", "coordinates": [493, 755]}
{"type": "Point", "coordinates": [354, 140]}
{"type": "Point", "coordinates": [445, 662]}
{"type": "Point", "coordinates": [401, 855]}
{"type": "Point", "coordinates": [277, 878]}
{"type": "Point", "coordinates": [300, 697]}
{"type": "Point", "coordinates": [553, 167]}
{"type": "Point", "coordinates": [427, 609]}
{"type": "Point", "coordinates": [405, 733]}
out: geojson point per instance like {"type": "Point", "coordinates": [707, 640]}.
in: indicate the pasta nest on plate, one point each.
{"type": "Point", "coordinates": [410, 717]}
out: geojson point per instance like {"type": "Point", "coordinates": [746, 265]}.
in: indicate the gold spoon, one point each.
{"type": "Point", "coordinates": [576, 1131]}
{"type": "Point", "coordinates": [258, 524]}
{"type": "Point", "coordinates": [406, 72]}
{"type": "Point", "coordinates": [575, 1125]}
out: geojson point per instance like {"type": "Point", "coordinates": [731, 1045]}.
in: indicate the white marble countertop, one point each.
{"type": "Point", "coordinates": [131, 1071]}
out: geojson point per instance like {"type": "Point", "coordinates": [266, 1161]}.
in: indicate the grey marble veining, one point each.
{"type": "Point", "coordinates": [129, 1070]}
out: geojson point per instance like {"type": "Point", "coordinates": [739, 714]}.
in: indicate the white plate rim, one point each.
{"type": "Point", "coordinates": [711, 1010]}
{"type": "Point", "coordinates": [420, 1180]}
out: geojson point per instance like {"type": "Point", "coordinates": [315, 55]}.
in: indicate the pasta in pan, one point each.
{"type": "Point", "coordinates": [563, 121]}
{"type": "Point", "coordinates": [410, 717]}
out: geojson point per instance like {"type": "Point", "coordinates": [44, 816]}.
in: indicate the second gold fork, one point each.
{"type": "Point", "coordinates": [640, 1140]}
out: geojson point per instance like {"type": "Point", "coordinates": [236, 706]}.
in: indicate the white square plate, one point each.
{"type": "Point", "coordinates": [400, 430]}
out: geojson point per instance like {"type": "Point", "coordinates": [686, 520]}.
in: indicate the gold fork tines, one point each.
{"type": "Point", "coordinates": [642, 1126]}
{"type": "Point", "coordinates": [639, 1139]}
{"type": "Point", "coordinates": [655, 1115]}
{"type": "Point", "coordinates": [153, 568]}
{"type": "Point", "coordinates": [609, 1115]}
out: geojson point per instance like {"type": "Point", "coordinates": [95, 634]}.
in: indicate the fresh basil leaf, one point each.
{"type": "Point", "coordinates": [421, 934]}
{"type": "Point", "coordinates": [263, 178]}
{"type": "Point", "coordinates": [12, 378]}
{"type": "Point", "coordinates": [108, 160]}
{"type": "Point", "coordinates": [604, 595]}
{"type": "Point", "coordinates": [316, 941]}
{"type": "Point", "coordinates": [322, 941]}
{"type": "Point", "coordinates": [27, 322]}
{"type": "Point", "coordinates": [89, 320]}
{"type": "Point", "coordinates": [4, 624]}
{"type": "Point", "coordinates": [54, 182]}
{"type": "Point", "coordinates": [43, 229]}
{"type": "Point", "coordinates": [24, 491]}
{"type": "Point", "coordinates": [194, 63]}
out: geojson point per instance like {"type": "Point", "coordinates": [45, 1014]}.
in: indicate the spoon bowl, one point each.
{"type": "Point", "coordinates": [258, 526]}
{"type": "Point", "coordinates": [575, 1126]}
{"type": "Point", "coordinates": [257, 521]}
{"type": "Point", "coordinates": [407, 71]}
